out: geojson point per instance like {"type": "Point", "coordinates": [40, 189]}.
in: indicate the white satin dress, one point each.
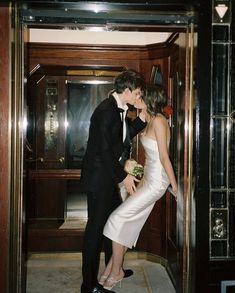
{"type": "Point", "coordinates": [125, 223]}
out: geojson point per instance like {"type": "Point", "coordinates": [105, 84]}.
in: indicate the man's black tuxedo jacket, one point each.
{"type": "Point", "coordinates": [101, 166]}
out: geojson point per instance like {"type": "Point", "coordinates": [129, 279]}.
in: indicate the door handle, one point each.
{"type": "Point", "coordinates": [31, 160]}
{"type": "Point", "coordinates": [42, 160]}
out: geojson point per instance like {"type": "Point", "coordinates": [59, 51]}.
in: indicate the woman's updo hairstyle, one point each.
{"type": "Point", "coordinates": [155, 98]}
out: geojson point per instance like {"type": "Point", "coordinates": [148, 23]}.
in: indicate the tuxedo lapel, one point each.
{"type": "Point", "coordinates": [113, 102]}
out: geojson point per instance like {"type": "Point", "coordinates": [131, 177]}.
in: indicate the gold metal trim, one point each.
{"type": "Point", "coordinates": [190, 156]}
{"type": "Point", "coordinates": [96, 73]}
{"type": "Point", "coordinates": [16, 187]}
{"type": "Point", "coordinates": [188, 201]}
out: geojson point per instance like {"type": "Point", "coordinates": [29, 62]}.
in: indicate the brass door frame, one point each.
{"type": "Point", "coordinates": [188, 188]}
{"type": "Point", "coordinates": [17, 141]}
{"type": "Point", "coordinates": [185, 172]}
{"type": "Point", "coordinates": [16, 257]}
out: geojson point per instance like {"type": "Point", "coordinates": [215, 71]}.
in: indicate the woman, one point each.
{"type": "Point", "coordinates": [125, 223]}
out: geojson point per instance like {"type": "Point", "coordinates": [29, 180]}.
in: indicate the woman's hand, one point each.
{"type": "Point", "coordinates": [129, 183]}
{"type": "Point", "coordinates": [173, 190]}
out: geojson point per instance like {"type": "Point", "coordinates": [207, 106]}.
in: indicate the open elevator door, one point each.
{"type": "Point", "coordinates": [32, 13]}
{"type": "Point", "coordinates": [184, 128]}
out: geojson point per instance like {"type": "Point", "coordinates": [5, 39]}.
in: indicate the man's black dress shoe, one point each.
{"type": "Point", "coordinates": [128, 273]}
{"type": "Point", "coordinates": [100, 289]}
{"type": "Point", "coordinates": [97, 289]}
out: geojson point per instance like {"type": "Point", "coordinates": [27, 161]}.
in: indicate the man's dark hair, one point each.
{"type": "Point", "coordinates": [130, 79]}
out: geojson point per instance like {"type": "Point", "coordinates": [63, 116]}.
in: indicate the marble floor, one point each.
{"type": "Point", "coordinates": [61, 273]}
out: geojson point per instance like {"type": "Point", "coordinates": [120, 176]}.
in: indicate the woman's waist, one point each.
{"type": "Point", "coordinates": [155, 170]}
{"type": "Point", "coordinates": [154, 164]}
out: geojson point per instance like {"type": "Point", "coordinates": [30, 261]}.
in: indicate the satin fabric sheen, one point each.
{"type": "Point", "coordinates": [125, 223]}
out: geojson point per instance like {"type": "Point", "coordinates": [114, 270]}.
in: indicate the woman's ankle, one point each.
{"type": "Point", "coordinates": [117, 273]}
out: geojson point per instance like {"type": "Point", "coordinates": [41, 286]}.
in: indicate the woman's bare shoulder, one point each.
{"type": "Point", "coordinates": [159, 119]}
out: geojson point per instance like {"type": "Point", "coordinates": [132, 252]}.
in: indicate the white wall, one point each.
{"type": "Point", "coordinates": [95, 37]}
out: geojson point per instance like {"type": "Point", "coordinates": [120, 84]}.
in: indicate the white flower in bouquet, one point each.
{"type": "Point", "coordinates": [133, 168]}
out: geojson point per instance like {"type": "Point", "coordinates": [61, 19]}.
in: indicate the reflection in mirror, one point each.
{"type": "Point", "coordinates": [83, 97]}
{"type": "Point", "coordinates": [156, 75]}
{"type": "Point", "coordinates": [51, 124]}
{"type": "Point", "coordinates": [76, 207]}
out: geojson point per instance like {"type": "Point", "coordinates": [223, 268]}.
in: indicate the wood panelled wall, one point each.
{"type": "Point", "coordinates": [4, 147]}
{"type": "Point", "coordinates": [140, 58]}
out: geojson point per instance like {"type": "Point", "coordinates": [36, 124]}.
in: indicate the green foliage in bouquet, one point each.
{"type": "Point", "coordinates": [138, 171]}
{"type": "Point", "coordinates": [133, 168]}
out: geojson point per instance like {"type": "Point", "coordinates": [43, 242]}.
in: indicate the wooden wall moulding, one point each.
{"type": "Point", "coordinates": [87, 51]}
{"type": "Point", "coordinates": [70, 54]}
{"type": "Point", "coordinates": [57, 240]}
{"type": "Point", "coordinates": [62, 174]}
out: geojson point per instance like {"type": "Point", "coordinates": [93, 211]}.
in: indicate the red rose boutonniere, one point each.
{"type": "Point", "coordinates": [168, 110]}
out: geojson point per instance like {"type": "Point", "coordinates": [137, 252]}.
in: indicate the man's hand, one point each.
{"type": "Point", "coordinates": [140, 104]}
{"type": "Point", "coordinates": [129, 183]}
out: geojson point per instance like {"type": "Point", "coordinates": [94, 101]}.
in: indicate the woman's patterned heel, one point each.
{"type": "Point", "coordinates": [102, 279]}
{"type": "Point", "coordinates": [111, 282]}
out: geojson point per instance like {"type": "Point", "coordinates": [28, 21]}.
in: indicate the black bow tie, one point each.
{"type": "Point", "coordinates": [121, 111]}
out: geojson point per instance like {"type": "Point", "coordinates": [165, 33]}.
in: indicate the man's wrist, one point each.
{"type": "Point", "coordinates": [143, 115]}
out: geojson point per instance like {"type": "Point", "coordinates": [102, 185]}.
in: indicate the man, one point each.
{"type": "Point", "coordinates": [108, 145]}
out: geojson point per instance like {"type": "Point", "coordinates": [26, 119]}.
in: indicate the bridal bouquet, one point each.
{"type": "Point", "coordinates": [133, 168]}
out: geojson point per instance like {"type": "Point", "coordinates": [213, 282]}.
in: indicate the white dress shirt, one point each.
{"type": "Point", "coordinates": [122, 115]}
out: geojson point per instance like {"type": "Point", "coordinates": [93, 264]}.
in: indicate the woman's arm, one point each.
{"type": "Point", "coordinates": [160, 129]}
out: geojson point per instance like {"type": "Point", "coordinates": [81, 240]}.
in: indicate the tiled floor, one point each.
{"type": "Point", "coordinates": [61, 273]}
